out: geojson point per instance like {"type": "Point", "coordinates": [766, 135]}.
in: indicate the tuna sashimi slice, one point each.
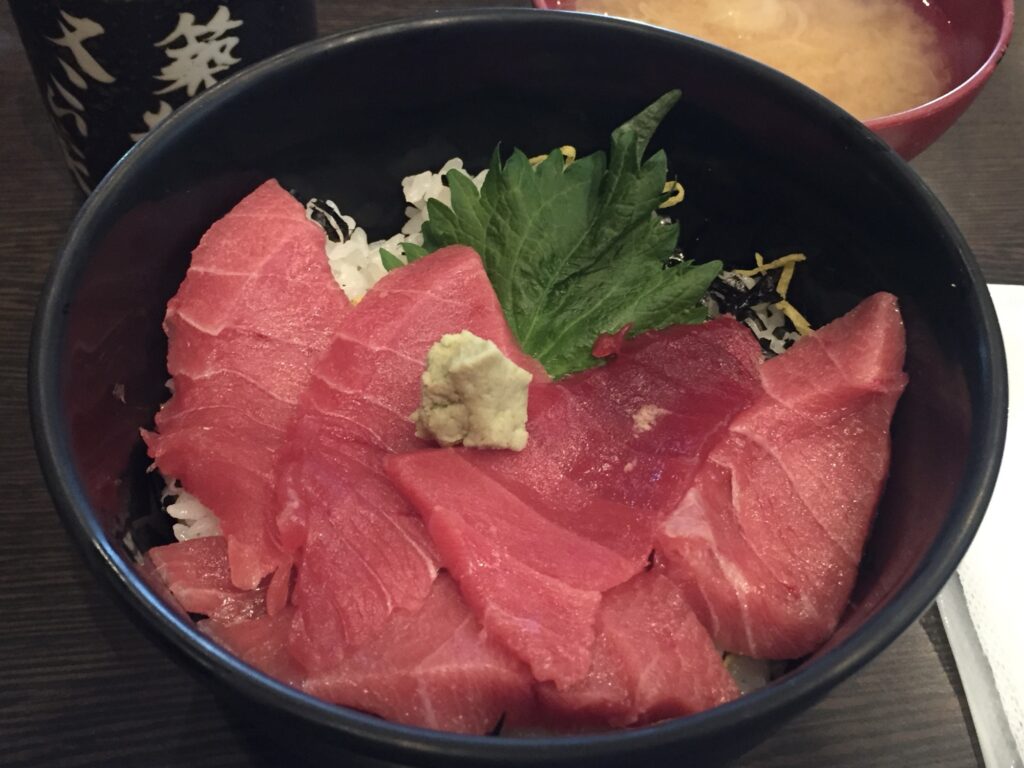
{"type": "Point", "coordinates": [631, 432]}
{"type": "Point", "coordinates": [636, 429]}
{"type": "Point", "coordinates": [653, 660]}
{"type": "Point", "coordinates": [534, 537]}
{"type": "Point", "coordinates": [642, 424]}
{"type": "Point", "coordinates": [365, 557]}
{"type": "Point", "coordinates": [365, 552]}
{"type": "Point", "coordinates": [766, 543]}
{"type": "Point", "coordinates": [534, 584]}
{"type": "Point", "coordinates": [196, 573]}
{"type": "Point", "coordinates": [254, 313]}
{"type": "Point", "coordinates": [261, 642]}
{"type": "Point", "coordinates": [433, 668]}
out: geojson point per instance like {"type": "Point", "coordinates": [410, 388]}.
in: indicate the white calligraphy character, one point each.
{"type": "Point", "coordinates": [204, 52]}
{"type": "Point", "coordinates": [62, 102]}
{"type": "Point", "coordinates": [152, 118]}
{"type": "Point", "coordinates": [74, 34]}
{"type": "Point", "coordinates": [74, 158]}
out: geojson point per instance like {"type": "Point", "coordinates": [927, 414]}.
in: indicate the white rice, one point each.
{"type": "Point", "coordinates": [195, 520]}
{"type": "Point", "coordinates": [356, 262]}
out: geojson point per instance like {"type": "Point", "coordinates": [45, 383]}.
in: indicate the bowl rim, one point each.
{"type": "Point", "coordinates": [963, 91]}
{"type": "Point", "coordinates": [372, 735]}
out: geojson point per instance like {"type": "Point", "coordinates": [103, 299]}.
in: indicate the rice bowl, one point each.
{"type": "Point", "coordinates": [886, 609]}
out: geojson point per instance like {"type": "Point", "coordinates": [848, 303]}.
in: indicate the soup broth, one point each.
{"type": "Point", "coordinates": [872, 57]}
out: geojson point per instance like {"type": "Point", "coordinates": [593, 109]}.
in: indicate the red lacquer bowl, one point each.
{"type": "Point", "coordinates": [979, 33]}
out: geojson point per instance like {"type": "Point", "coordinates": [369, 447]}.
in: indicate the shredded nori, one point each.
{"type": "Point", "coordinates": [734, 298]}
{"type": "Point", "coordinates": [326, 214]}
{"type": "Point", "coordinates": [751, 300]}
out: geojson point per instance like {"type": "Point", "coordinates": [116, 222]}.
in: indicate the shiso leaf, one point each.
{"type": "Point", "coordinates": [389, 260]}
{"type": "Point", "coordinates": [413, 252]}
{"type": "Point", "coordinates": [576, 251]}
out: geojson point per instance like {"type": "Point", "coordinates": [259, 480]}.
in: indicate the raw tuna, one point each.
{"type": "Point", "coordinates": [766, 543]}
{"type": "Point", "coordinates": [634, 431]}
{"type": "Point", "coordinates": [261, 642]}
{"type": "Point", "coordinates": [365, 552]}
{"type": "Point", "coordinates": [196, 573]}
{"type": "Point", "coordinates": [432, 668]}
{"type": "Point", "coordinates": [652, 660]}
{"type": "Point", "coordinates": [534, 583]}
{"type": "Point", "coordinates": [254, 313]}
{"type": "Point", "coordinates": [533, 538]}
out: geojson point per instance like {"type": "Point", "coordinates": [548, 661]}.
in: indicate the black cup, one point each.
{"type": "Point", "coordinates": [110, 70]}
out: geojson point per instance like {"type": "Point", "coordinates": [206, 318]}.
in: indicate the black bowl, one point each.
{"type": "Point", "coordinates": [768, 166]}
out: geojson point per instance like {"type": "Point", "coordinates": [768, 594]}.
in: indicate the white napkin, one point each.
{"type": "Point", "coordinates": [992, 576]}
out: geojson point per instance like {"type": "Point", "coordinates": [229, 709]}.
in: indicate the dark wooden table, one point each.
{"type": "Point", "coordinates": [79, 686]}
